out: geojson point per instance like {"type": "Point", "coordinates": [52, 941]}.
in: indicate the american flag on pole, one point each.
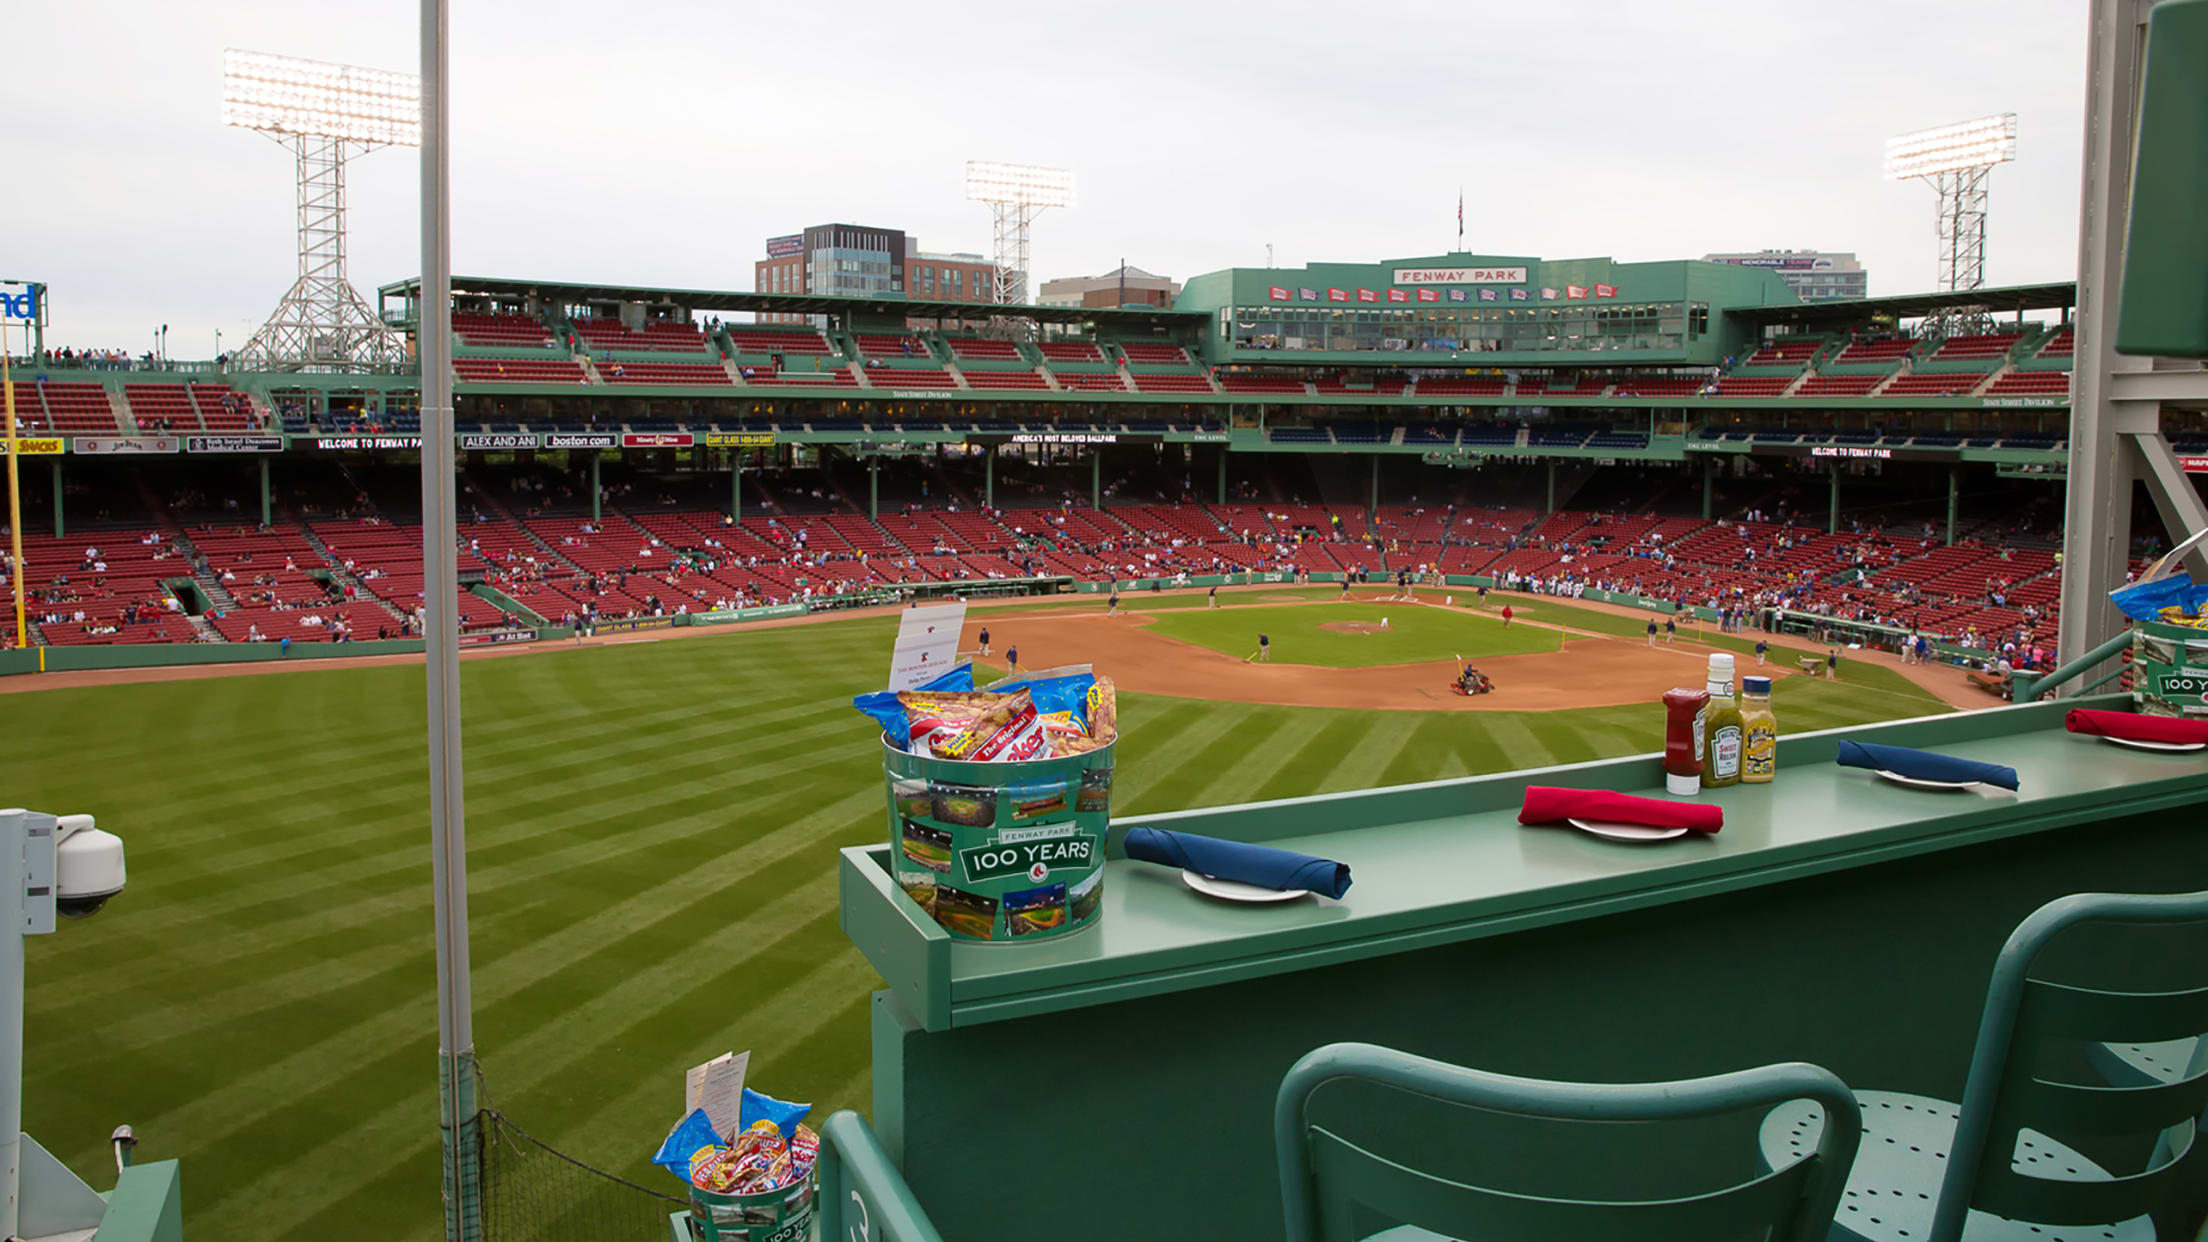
{"type": "Point", "coordinates": [1488, 295]}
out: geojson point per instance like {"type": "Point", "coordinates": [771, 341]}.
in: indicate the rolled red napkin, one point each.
{"type": "Point", "coordinates": [1547, 804]}
{"type": "Point", "coordinates": [2135, 727]}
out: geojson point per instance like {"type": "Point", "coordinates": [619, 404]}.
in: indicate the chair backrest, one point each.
{"type": "Point", "coordinates": [2027, 1026]}
{"type": "Point", "coordinates": [862, 1195]}
{"type": "Point", "coordinates": [1323, 1175]}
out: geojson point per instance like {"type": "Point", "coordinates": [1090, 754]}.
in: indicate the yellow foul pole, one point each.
{"type": "Point", "coordinates": [15, 495]}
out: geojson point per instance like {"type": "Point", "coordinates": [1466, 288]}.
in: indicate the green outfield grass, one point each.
{"type": "Point", "coordinates": [652, 831]}
{"type": "Point", "coordinates": [1415, 633]}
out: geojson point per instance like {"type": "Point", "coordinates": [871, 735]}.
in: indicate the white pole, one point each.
{"type": "Point", "coordinates": [11, 1018]}
{"type": "Point", "coordinates": [441, 643]}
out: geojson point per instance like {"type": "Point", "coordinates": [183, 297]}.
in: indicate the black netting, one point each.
{"type": "Point", "coordinates": [533, 1192]}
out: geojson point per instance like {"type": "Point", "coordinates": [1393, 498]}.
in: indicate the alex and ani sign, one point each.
{"type": "Point", "coordinates": [1460, 275]}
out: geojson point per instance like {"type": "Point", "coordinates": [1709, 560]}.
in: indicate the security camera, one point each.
{"type": "Point", "coordinates": [89, 866]}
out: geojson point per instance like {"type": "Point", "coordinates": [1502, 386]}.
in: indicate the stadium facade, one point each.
{"type": "Point", "coordinates": [1813, 275]}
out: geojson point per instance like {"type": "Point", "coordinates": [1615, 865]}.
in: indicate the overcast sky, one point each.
{"type": "Point", "coordinates": [661, 142]}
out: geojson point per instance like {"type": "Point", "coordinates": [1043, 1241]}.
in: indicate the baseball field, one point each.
{"type": "Point", "coordinates": [652, 830]}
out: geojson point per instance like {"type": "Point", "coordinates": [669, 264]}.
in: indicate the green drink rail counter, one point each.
{"type": "Point", "coordinates": [1119, 1082]}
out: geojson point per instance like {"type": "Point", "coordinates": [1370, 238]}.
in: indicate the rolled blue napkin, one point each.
{"type": "Point", "coordinates": [1261, 865]}
{"type": "Point", "coordinates": [1924, 765]}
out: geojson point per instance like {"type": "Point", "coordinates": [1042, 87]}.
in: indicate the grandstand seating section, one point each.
{"type": "Point", "coordinates": [520, 371]}
{"type": "Point", "coordinates": [762, 341]}
{"type": "Point", "coordinates": [500, 331]}
{"type": "Point", "coordinates": [1662, 386]}
{"type": "Point", "coordinates": [1876, 350]}
{"type": "Point", "coordinates": [877, 346]}
{"type": "Point", "coordinates": [657, 335]}
{"type": "Point", "coordinates": [1145, 382]}
{"type": "Point", "coordinates": [1753, 385]}
{"type": "Point", "coordinates": [1784, 353]}
{"type": "Point", "coordinates": [989, 349]}
{"type": "Point", "coordinates": [909, 377]}
{"type": "Point", "coordinates": [1937, 384]}
{"type": "Point", "coordinates": [1839, 385]}
{"type": "Point", "coordinates": [1991, 345]}
{"type": "Point", "coordinates": [1090, 381]}
{"type": "Point", "coordinates": [625, 372]}
{"type": "Point", "coordinates": [1262, 384]}
{"type": "Point", "coordinates": [1462, 385]}
{"type": "Point", "coordinates": [69, 408]}
{"type": "Point", "coordinates": [1070, 351]}
{"type": "Point", "coordinates": [1153, 353]}
{"type": "Point", "coordinates": [2021, 383]}
{"type": "Point", "coordinates": [1023, 380]}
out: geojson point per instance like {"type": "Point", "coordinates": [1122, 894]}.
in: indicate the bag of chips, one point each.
{"type": "Point", "coordinates": [691, 1137]}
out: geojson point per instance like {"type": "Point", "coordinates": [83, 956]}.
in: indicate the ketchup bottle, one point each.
{"type": "Point", "coordinates": [1684, 709]}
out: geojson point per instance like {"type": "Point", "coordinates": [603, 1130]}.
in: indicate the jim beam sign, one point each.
{"type": "Point", "coordinates": [122, 445]}
{"type": "Point", "coordinates": [1033, 852]}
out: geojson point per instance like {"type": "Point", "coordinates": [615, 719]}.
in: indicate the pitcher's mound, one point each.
{"type": "Point", "coordinates": [1353, 627]}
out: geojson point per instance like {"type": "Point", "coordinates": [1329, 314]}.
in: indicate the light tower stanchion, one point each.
{"type": "Point", "coordinates": [1016, 194]}
{"type": "Point", "coordinates": [323, 115]}
{"type": "Point", "coordinates": [1957, 161]}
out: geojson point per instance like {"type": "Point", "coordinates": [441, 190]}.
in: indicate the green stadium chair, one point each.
{"type": "Point", "coordinates": [1325, 1178]}
{"type": "Point", "coordinates": [1998, 1168]}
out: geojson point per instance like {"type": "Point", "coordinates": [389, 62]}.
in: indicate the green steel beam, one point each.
{"type": "Point", "coordinates": [1832, 516]}
{"type": "Point", "coordinates": [58, 533]}
{"type": "Point", "coordinates": [1222, 474]}
{"type": "Point", "coordinates": [267, 513]}
{"type": "Point", "coordinates": [597, 496]}
{"type": "Point", "coordinates": [1954, 497]}
{"type": "Point", "coordinates": [1096, 479]}
{"type": "Point", "coordinates": [873, 489]}
{"type": "Point", "coordinates": [736, 486]}
{"type": "Point", "coordinates": [1552, 489]}
{"type": "Point", "coordinates": [989, 476]}
{"type": "Point", "coordinates": [1709, 484]}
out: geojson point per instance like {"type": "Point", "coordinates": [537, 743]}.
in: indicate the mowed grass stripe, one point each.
{"type": "Point", "coordinates": [653, 832]}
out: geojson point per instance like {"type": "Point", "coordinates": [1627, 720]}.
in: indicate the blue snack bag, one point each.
{"type": "Point", "coordinates": [883, 706]}
{"type": "Point", "coordinates": [758, 1108]}
{"type": "Point", "coordinates": [1055, 690]}
{"type": "Point", "coordinates": [691, 1135]}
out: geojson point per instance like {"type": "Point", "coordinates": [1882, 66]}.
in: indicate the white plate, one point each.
{"type": "Point", "coordinates": [1236, 890]}
{"type": "Point", "coordinates": [2140, 743]}
{"type": "Point", "coordinates": [1922, 783]}
{"type": "Point", "coordinates": [1625, 832]}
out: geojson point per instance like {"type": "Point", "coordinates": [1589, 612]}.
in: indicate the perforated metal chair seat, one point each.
{"type": "Point", "coordinates": [1896, 1178]}
{"type": "Point", "coordinates": [2142, 1065]}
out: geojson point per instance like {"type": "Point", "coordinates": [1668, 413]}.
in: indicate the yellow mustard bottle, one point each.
{"type": "Point", "coordinates": [1721, 736]}
{"type": "Point", "coordinates": [1759, 759]}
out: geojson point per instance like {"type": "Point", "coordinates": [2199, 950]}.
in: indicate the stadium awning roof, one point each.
{"type": "Point", "coordinates": [2007, 299]}
{"type": "Point", "coordinates": [723, 302]}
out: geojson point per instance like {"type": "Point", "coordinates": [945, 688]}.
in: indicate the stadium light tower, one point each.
{"type": "Point", "coordinates": [1016, 193]}
{"type": "Point", "coordinates": [1957, 160]}
{"type": "Point", "coordinates": [323, 114]}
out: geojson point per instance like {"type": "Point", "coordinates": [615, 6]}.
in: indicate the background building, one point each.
{"type": "Point", "coordinates": [857, 260]}
{"type": "Point", "coordinates": [1122, 286]}
{"type": "Point", "coordinates": [1813, 275]}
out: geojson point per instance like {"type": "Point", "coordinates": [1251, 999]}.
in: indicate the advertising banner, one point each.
{"type": "Point", "coordinates": [739, 439]}
{"type": "Point", "coordinates": [618, 625]}
{"type": "Point", "coordinates": [582, 440]}
{"type": "Point", "coordinates": [499, 440]}
{"type": "Point", "coordinates": [122, 445]}
{"type": "Point", "coordinates": [233, 444]}
{"type": "Point", "coordinates": [38, 446]}
{"type": "Point", "coordinates": [657, 439]}
{"type": "Point", "coordinates": [354, 443]}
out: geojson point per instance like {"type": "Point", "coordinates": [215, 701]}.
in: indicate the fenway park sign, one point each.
{"type": "Point", "coordinates": [1460, 275]}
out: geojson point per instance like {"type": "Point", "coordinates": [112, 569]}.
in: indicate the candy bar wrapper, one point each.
{"type": "Point", "coordinates": [804, 1149]}
{"type": "Point", "coordinates": [716, 1171]}
{"type": "Point", "coordinates": [884, 707]}
{"type": "Point", "coordinates": [935, 721]}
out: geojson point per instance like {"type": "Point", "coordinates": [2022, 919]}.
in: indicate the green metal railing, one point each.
{"type": "Point", "coordinates": [2023, 687]}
